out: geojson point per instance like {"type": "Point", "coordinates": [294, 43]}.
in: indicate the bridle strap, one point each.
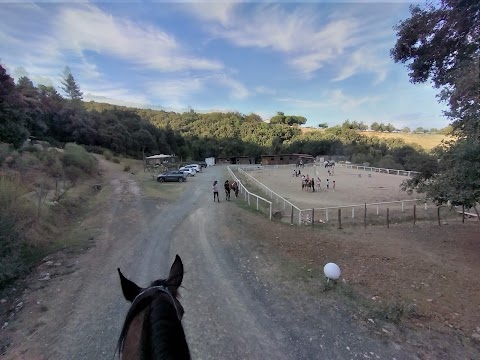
{"type": "Point", "coordinates": [162, 289]}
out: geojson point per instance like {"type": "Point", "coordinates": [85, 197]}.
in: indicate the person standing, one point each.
{"type": "Point", "coordinates": [215, 191]}
{"type": "Point", "coordinates": [328, 184]}
{"type": "Point", "coordinates": [333, 185]}
{"type": "Point", "coordinates": [319, 183]}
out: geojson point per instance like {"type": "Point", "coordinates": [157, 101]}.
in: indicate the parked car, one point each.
{"type": "Point", "coordinates": [188, 171]}
{"type": "Point", "coordinates": [173, 175]}
{"type": "Point", "coordinates": [203, 164]}
{"type": "Point", "coordinates": [197, 167]}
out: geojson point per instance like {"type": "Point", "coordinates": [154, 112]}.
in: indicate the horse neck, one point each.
{"type": "Point", "coordinates": [156, 334]}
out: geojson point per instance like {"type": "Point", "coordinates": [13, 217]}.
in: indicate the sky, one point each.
{"type": "Point", "coordinates": [326, 61]}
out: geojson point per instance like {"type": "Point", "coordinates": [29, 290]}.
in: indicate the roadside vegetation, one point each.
{"type": "Point", "coordinates": [41, 194]}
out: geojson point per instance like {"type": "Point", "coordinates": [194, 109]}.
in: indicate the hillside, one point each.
{"type": "Point", "coordinates": [426, 141]}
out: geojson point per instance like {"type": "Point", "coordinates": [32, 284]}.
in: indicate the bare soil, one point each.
{"type": "Point", "coordinates": [425, 276]}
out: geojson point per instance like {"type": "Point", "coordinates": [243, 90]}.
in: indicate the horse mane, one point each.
{"type": "Point", "coordinates": [157, 321]}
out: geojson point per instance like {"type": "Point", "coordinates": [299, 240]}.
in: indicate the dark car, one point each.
{"type": "Point", "coordinates": [173, 175]}
{"type": "Point", "coordinates": [203, 164]}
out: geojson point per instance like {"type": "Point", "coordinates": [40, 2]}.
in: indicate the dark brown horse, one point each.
{"type": "Point", "coordinates": [231, 185]}
{"type": "Point", "coordinates": [153, 329]}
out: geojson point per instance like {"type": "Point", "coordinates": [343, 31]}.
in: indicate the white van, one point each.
{"type": "Point", "coordinates": [197, 167]}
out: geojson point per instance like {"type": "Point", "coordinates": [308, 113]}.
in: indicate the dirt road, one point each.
{"type": "Point", "coordinates": [236, 304]}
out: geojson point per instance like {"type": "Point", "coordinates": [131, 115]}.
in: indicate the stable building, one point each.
{"type": "Point", "coordinates": [232, 160]}
{"type": "Point", "coordinates": [160, 160]}
{"type": "Point", "coordinates": [286, 159]}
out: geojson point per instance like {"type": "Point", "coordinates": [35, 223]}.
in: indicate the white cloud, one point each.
{"type": "Point", "coordinates": [220, 11]}
{"type": "Point", "coordinates": [364, 60]}
{"type": "Point", "coordinates": [302, 103]}
{"type": "Point", "coordinates": [264, 90]}
{"type": "Point", "coordinates": [335, 98]}
{"type": "Point", "coordinates": [65, 33]}
{"type": "Point", "coordinates": [338, 98]}
{"type": "Point", "coordinates": [238, 91]}
{"type": "Point", "coordinates": [309, 40]}
{"type": "Point", "coordinates": [89, 28]}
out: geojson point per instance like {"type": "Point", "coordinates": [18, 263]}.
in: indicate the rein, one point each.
{"type": "Point", "coordinates": [161, 288]}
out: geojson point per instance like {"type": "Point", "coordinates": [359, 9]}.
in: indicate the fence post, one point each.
{"type": "Point", "coordinates": [463, 213]}
{"type": "Point", "coordinates": [300, 217]}
{"type": "Point", "coordinates": [388, 218]}
{"type": "Point", "coordinates": [270, 211]}
{"type": "Point", "coordinates": [326, 215]}
{"type": "Point", "coordinates": [365, 217]}
{"type": "Point", "coordinates": [257, 202]}
{"type": "Point", "coordinates": [403, 210]}
{"type": "Point", "coordinates": [291, 217]}
{"type": "Point", "coordinates": [377, 210]}
{"type": "Point", "coordinates": [313, 217]}
{"type": "Point", "coordinates": [414, 214]}
{"type": "Point", "coordinates": [339, 218]}
{"type": "Point", "coordinates": [438, 215]}
{"type": "Point", "coordinates": [425, 205]}
{"type": "Point", "coordinates": [353, 212]}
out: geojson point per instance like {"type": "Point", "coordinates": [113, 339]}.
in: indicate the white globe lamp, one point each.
{"type": "Point", "coordinates": [331, 271]}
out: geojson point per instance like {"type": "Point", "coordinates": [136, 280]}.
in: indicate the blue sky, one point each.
{"type": "Point", "coordinates": [327, 61]}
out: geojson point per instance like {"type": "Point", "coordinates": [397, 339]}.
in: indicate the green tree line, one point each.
{"type": "Point", "coordinates": [41, 112]}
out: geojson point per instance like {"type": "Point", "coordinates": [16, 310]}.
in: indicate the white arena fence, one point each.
{"type": "Point", "coordinates": [282, 204]}
{"type": "Point", "coordinates": [372, 213]}
{"type": "Point", "coordinates": [378, 170]}
{"type": "Point", "coordinates": [347, 166]}
{"type": "Point", "coordinates": [251, 197]}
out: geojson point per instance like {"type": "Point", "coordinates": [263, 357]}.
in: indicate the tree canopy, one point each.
{"type": "Point", "coordinates": [440, 44]}
{"type": "Point", "coordinates": [43, 113]}
{"type": "Point", "coordinates": [70, 87]}
{"type": "Point", "coordinates": [281, 118]}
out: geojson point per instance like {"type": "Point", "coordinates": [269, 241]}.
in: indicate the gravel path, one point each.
{"type": "Point", "coordinates": [235, 308]}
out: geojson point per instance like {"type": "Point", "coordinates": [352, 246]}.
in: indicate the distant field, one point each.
{"type": "Point", "coordinates": [427, 141]}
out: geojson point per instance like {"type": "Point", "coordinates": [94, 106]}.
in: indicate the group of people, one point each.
{"type": "Point", "coordinates": [308, 182]}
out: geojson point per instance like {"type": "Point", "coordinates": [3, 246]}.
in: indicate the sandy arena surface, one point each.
{"type": "Point", "coordinates": [349, 188]}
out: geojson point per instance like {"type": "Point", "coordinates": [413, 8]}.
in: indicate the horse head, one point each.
{"type": "Point", "coordinates": [142, 336]}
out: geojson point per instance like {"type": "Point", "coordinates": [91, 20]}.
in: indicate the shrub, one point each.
{"type": "Point", "coordinates": [126, 167]}
{"type": "Point", "coordinates": [108, 154]}
{"type": "Point", "coordinates": [116, 160]}
{"type": "Point", "coordinates": [5, 151]}
{"type": "Point", "coordinates": [26, 161]}
{"type": "Point", "coordinates": [77, 156]}
{"type": "Point", "coordinates": [73, 174]}
{"type": "Point", "coordinates": [15, 219]}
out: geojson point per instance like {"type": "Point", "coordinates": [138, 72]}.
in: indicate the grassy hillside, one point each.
{"type": "Point", "coordinates": [426, 141]}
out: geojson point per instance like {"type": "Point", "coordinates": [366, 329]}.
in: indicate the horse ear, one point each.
{"type": "Point", "coordinates": [129, 288]}
{"type": "Point", "coordinates": [176, 274]}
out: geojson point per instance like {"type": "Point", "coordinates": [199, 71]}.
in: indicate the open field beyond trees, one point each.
{"type": "Point", "coordinates": [426, 141]}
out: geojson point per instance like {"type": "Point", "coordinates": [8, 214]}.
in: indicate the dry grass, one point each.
{"type": "Point", "coordinates": [426, 141]}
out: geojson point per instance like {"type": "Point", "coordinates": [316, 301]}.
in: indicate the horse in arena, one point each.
{"type": "Point", "coordinates": [308, 184]}
{"type": "Point", "coordinates": [231, 186]}
{"type": "Point", "coordinates": [153, 327]}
